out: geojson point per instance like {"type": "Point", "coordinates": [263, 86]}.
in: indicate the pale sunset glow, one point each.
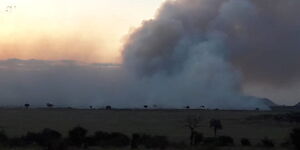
{"type": "Point", "coordinates": [83, 30]}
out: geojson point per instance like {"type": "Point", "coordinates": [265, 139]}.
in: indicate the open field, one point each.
{"type": "Point", "coordinates": [170, 123]}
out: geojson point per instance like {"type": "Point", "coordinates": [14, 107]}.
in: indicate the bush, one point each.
{"type": "Point", "coordinates": [178, 145]}
{"type": "Point", "coordinates": [17, 142]}
{"type": "Point", "coordinates": [135, 141]}
{"type": "Point", "coordinates": [198, 138]}
{"type": "Point", "coordinates": [266, 142]}
{"type": "Point", "coordinates": [3, 138]}
{"type": "Point", "coordinates": [105, 139]}
{"type": "Point", "coordinates": [295, 138]}
{"type": "Point", "coordinates": [209, 141]}
{"type": "Point", "coordinates": [219, 141]}
{"type": "Point", "coordinates": [149, 141]}
{"type": "Point", "coordinates": [47, 138]}
{"type": "Point", "coordinates": [117, 139]}
{"type": "Point", "coordinates": [245, 142]}
{"type": "Point", "coordinates": [77, 136]}
{"type": "Point", "coordinates": [225, 141]}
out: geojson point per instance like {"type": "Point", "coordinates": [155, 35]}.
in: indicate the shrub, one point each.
{"type": "Point", "coordinates": [47, 138]}
{"type": "Point", "coordinates": [149, 141]}
{"type": "Point", "coordinates": [178, 145]}
{"type": "Point", "coordinates": [218, 141]}
{"type": "Point", "coordinates": [77, 136]}
{"type": "Point", "coordinates": [135, 141]}
{"type": "Point", "coordinates": [295, 137]}
{"type": "Point", "coordinates": [209, 141]}
{"type": "Point", "coordinates": [118, 140]}
{"type": "Point", "coordinates": [245, 142]}
{"type": "Point", "coordinates": [105, 139]}
{"type": "Point", "coordinates": [155, 142]}
{"type": "Point", "coordinates": [3, 138]}
{"type": "Point", "coordinates": [225, 141]}
{"type": "Point", "coordinates": [198, 138]}
{"type": "Point", "coordinates": [17, 142]}
{"type": "Point", "coordinates": [266, 142]}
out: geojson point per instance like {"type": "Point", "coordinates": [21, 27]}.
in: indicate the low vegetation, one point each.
{"type": "Point", "coordinates": [199, 132]}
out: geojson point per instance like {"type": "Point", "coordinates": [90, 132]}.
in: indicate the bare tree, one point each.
{"type": "Point", "coordinates": [192, 123]}
{"type": "Point", "coordinates": [216, 124]}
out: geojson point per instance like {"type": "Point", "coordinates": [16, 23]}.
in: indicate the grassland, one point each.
{"type": "Point", "coordinates": [16, 122]}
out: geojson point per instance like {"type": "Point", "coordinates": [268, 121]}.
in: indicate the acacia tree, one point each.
{"type": "Point", "coordinates": [27, 106]}
{"type": "Point", "coordinates": [216, 125]}
{"type": "Point", "coordinates": [49, 105]}
{"type": "Point", "coordinates": [192, 122]}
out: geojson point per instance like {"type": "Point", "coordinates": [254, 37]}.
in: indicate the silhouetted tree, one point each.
{"type": "Point", "coordinates": [295, 137]}
{"type": "Point", "coordinates": [91, 107]}
{"type": "Point", "coordinates": [108, 107]}
{"type": "Point", "coordinates": [77, 136]}
{"type": "Point", "coordinates": [27, 106]}
{"type": "Point", "coordinates": [49, 105]}
{"type": "Point", "coordinates": [187, 107]}
{"type": "Point", "coordinates": [145, 106]}
{"type": "Point", "coordinates": [216, 125]}
{"type": "Point", "coordinates": [192, 122]}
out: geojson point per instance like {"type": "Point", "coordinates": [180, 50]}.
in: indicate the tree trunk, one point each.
{"type": "Point", "coordinates": [215, 130]}
{"type": "Point", "coordinates": [192, 137]}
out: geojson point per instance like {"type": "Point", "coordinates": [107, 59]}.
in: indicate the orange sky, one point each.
{"type": "Point", "coordinates": [84, 30]}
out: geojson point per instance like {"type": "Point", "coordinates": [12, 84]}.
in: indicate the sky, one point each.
{"type": "Point", "coordinates": [49, 29]}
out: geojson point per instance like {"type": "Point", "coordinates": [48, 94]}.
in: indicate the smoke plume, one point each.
{"type": "Point", "coordinates": [194, 52]}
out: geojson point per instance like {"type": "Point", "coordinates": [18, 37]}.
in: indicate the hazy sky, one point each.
{"type": "Point", "coordinates": [85, 30]}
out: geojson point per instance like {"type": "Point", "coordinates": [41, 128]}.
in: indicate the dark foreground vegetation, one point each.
{"type": "Point", "coordinates": [147, 129]}
{"type": "Point", "coordinates": [285, 117]}
{"type": "Point", "coordinates": [77, 138]}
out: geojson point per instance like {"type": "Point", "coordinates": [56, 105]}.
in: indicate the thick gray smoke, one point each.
{"type": "Point", "coordinates": [70, 83]}
{"type": "Point", "coordinates": [260, 38]}
{"type": "Point", "coordinates": [195, 52]}
{"type": "Point", "coordinates": [184, 54]}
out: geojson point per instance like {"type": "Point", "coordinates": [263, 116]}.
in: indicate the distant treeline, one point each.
{"type": "Point", "coordinates": [286, 117]}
